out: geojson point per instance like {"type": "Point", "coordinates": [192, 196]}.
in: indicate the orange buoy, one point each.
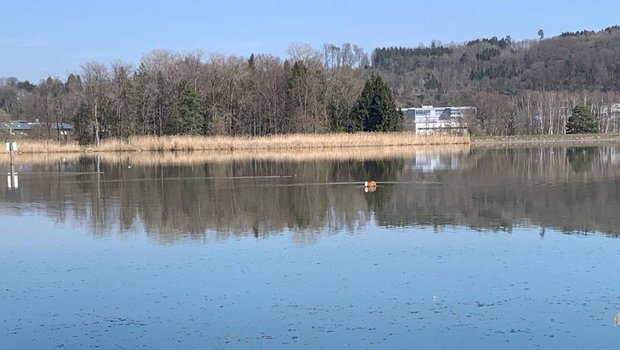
{"type": "Point", "coordinates": [370, 183]}
{"type": "Point", "coordinates": [370, 186]}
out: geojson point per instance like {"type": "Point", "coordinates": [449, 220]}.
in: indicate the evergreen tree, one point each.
{"type": "Point", "coordinates": [74, 83]}
{"type": "Point", "coordinates": [83, 128]}
{"type": "Point", "coordinates": [251, 62]}
{"type": "Point", "coordinates": [25, 85]}
{"type": "Point", "coordinates": [192, 121]}
{"type": "Point", "coordinates": [581, 121]}
{"type": "Point", "coordinates": [375, 109]}
{"type": "Point", "coordinates": [298, 85]}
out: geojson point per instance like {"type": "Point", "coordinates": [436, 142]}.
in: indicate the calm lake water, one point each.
{"type": "Point", "coordinates": [512, 249]}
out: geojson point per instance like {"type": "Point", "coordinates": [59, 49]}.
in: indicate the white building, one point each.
{"type": "Point", "coordinates": [429, 119]}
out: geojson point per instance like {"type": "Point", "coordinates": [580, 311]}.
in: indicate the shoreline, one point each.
{"type": "Point", "coordinates": [296, 145]}
{"type": "Point", "coordinates": [360, 154]}
{"type": "Point", "coordinates": [291, 143]}
{"type": "Point", "coordinates": [366, 153]}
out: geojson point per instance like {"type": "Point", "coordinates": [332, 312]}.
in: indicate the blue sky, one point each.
{"type": "Point", "coordinates": [40, 38]}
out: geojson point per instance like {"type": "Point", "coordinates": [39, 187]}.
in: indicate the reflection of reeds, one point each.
{"type": "Point", "coordinates": [44, 146]}
{"type": "Point", "coordinates": [152, 158]}
{"type": "Point", "coordinates": [40, 158]}
{"type": "Point", "coordinates": [545, 140]}
{"type": "Point", "coordinates": [226, 143]}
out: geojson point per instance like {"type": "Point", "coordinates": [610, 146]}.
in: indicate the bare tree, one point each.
{"type": "Point", "coordinates": [96, 78]}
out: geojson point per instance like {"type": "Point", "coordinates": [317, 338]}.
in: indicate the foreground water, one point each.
{"type": "Point", "coordinates": [458, 249]}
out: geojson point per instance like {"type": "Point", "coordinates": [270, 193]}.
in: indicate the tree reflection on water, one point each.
{"type": "Point", "coordinates": [570, 189]}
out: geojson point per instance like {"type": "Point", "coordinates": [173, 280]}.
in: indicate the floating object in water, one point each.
{"type": "Point", "coordinates": [370, 186]}
{"type": "Point", "coordinates": [617, 320]}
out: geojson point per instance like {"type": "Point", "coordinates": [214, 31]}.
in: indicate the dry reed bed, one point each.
{"type": "Point", "coordinates": [224, 143]}
{"type": "Point", "coordinates": [295, 141]}
{"type": "Point", "coordinates": [201, 157]}
{"type": "Point", "coordinates": [342, 154]}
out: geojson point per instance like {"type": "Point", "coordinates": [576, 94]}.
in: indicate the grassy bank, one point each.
{"type": "Point", "coordinates": [301, 144]}
{"type": "Point", "coordinates": [221, 143]}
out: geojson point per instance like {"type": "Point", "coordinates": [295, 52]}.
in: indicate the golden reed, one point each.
{"type": "Point", "coordinates": [229, 143]}
{"type": "Point", "coordinates": [276, 155]}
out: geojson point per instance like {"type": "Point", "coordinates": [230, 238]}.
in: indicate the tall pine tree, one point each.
{"type": "Point", "coordinates": [192, 121]}
{"type": "Point", "coordinates": [581, 121]}
{"type": "Point", "coordinates": [83, 128]}
{"type": "Point", "coordinates": [375, 109]}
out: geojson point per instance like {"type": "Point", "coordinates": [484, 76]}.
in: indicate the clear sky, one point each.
{"type": "Point", "coordinates": [41, 38]}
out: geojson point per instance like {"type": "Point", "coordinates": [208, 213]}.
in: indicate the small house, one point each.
{"type": "Point", "coordinates": [28, 128]}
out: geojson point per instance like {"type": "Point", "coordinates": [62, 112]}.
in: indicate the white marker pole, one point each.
{"type": "Point", "coordinates": [12, 176]}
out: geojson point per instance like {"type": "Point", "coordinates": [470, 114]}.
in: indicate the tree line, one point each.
{"type": "Point", "coordinates": [189, 94]}
{"type": "Point", "coordinates": [517, 87]}
{"type": "Point", "coordinates": [572, 61]}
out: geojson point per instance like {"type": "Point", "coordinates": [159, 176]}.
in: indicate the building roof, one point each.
{"type": "Point", "coordinates": [22, 125]}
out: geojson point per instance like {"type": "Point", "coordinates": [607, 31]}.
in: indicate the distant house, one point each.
{"type": "Point", "coordinates": [430, 120]}
{"type": "Point", "coordinates": [25, 127]}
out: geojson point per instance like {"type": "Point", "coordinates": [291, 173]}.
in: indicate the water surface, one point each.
{"type": "Point", "coordinates": [511, 248]}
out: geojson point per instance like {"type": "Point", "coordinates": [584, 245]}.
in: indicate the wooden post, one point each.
{"type": "Point", "coordinates": [11, 146]}
{"type": "Point", "coordinates": [12, 176]}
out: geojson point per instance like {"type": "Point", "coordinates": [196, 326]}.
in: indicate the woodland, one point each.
{"type": "Point", "coordinates": [517, 87]}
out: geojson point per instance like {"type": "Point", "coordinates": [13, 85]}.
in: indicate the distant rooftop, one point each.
{"type": "Point", "coordinates": [23, 125]}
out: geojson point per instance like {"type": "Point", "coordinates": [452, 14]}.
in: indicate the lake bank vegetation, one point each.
{"type": "Point", "coordinates": [289, 142]}
{"type": "Point", "coordinates": [273, 155]}
{"type": "Point", "coordinates": [527, 87]}
{"type": "Point", "coordinates": [299, 145]}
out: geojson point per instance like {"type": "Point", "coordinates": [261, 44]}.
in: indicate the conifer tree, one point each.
{"type": "Point", "coordinates": [192, 121]}
{"type": "Point", "coordinates": [375, 109]}
{"type": "Point", "coordinates": [83, 127]}
{"type": "Point", "coordinates": [581, 121]}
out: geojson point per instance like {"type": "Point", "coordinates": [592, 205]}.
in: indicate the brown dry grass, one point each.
{"type": "Point", "coordinates": [226, 143]}
{"type": "Point", "coordinates": [201, 157]}
{"type": "Point", "coordinates": [352, 153]}
{"type": "Point", "coordinates": [279, 142]}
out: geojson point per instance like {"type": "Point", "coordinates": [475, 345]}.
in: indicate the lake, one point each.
{"type": "Point", "coordinates": [455, 248]}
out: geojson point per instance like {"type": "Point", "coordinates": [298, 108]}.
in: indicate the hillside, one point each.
{"type": "Point", "coordinates": [573, 61]}
{"type": "Point", "coordinates": [518, 87]}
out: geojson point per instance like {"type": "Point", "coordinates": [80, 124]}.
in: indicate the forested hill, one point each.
{"type": "Point", "coordinates": [524, 87]}
{"type": "Point", "coordinates": [572, 61]}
